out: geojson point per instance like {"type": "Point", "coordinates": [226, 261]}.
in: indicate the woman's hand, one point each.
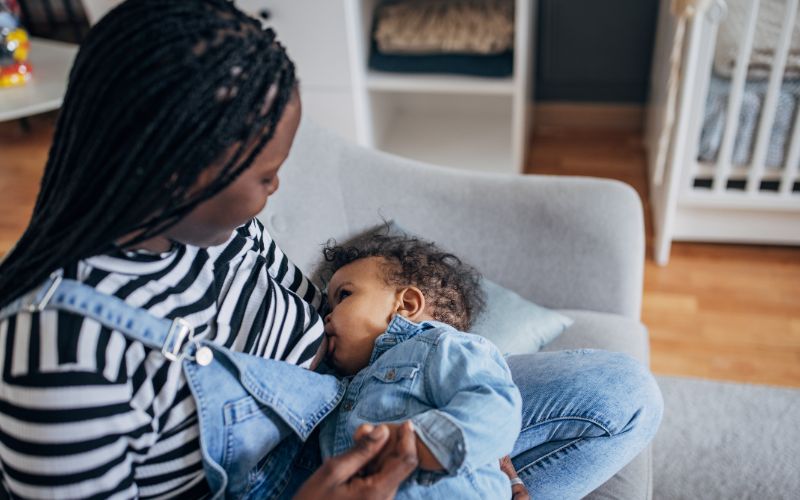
{"type": "Point", "coordinates": [344, 476]}
{"type": "Point", "coordinates": [518, 491]}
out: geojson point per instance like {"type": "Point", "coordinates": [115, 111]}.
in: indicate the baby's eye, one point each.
{"type": "Point", "coordinates": [343, 294]}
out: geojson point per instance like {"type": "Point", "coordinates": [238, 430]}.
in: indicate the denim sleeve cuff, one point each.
{"type": "Point", "coordinates": [443, 437]}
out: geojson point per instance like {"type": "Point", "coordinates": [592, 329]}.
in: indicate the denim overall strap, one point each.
{"type": "Point", "coordinates": [112, 312]}
{"type": "Point", "coordinates": [254, 413]}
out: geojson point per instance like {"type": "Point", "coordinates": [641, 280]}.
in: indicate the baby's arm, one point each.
{"type": "Point", "coordinates": [427, 460]}
{"type": "Point", "coordinates": [478, 408]}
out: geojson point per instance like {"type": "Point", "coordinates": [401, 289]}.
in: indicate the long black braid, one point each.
{"type": "Point", "coordinates": [160, 90]}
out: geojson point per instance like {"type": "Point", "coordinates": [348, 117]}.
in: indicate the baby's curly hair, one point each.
{"type": "Point", "coordinates": [451, 288]}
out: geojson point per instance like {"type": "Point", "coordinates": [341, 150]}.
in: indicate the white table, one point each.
{"type": "Point", "coordinates": [51, 63]}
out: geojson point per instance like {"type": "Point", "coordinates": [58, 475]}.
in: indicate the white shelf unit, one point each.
{"type": "Point", "coordinates": [313, 32]}
{"type": "Point", "coordinates": [476, 123]}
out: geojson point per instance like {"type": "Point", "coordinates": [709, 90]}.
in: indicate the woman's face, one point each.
{"type": "Point", "coordinates": [212, 222]}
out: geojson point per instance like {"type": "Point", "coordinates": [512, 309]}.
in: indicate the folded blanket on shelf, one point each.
{"type": "Point", "coordinates": [492, 66]}
{"type": "Point", "coordinates": [445, 27]}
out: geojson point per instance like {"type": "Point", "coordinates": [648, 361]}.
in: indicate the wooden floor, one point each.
{"type": "Point", "coordinates": [727, 312]}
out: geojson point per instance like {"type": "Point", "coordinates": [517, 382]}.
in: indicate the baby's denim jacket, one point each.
{"type": "Point", "coordinates": [457, 390]}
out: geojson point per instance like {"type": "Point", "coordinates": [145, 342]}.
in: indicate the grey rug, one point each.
{"type": "Point", "coordinates": [723, 440]}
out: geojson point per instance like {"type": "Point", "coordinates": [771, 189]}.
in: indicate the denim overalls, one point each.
{"type": "Point", "coordinates": [254, 413]}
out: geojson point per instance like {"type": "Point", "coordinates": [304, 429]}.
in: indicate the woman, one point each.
{"type": "Point", "coordinates": [143, 296]}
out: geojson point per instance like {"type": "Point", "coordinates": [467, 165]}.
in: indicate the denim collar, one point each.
{"type": "Point", "coordinates": [399, 330]}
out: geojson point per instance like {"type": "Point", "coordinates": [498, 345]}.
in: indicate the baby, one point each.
{"type": "Point", "coordinates": [399, 309]}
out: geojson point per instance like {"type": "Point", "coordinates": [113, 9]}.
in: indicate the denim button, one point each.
{"type": "Point", "coordinates": [348, 405]}
{"type": "Point", "coordinates": [204, 356]}
{"type": "Point", "coordinates": [390, 375]}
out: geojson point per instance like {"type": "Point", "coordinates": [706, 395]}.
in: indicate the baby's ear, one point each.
{"type": "Point", "coordinates": [411, 303]}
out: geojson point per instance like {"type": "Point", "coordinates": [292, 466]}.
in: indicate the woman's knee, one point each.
{"type": "Point", "coordinates": [611, 389]}
{"type": "Point", "coordinates": [631, 386]}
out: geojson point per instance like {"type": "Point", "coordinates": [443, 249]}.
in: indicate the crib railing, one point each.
{"type": "Point", "coordinates": [722, 178]}
{"type": "Point", "coordinates": [730, 197]}
{"type": "Point", "coordinates": [723, 166]}
{"type": "Point", "coordinates": [771, 101]}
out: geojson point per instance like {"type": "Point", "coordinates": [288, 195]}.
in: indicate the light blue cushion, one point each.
{"type": "Point", "coordinates": [514, 324]}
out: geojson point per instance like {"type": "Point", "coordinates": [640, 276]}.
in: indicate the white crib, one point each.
{"type": "Point", "coordinates": [722, 168]}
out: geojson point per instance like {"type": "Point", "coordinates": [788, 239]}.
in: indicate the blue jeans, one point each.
{"type": "Point", "coordinates": [585, 415]}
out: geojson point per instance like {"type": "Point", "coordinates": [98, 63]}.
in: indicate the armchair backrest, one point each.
{"type": "Point", "coordinates": [563, 242]}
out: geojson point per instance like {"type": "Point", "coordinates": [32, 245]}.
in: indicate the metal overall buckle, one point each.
{"type": "Point", "coordinates": [173, 344]}
{"type": "Point", "coordinates": [39, 304]}
{"type": "Point", "coordinates": [174, 348]}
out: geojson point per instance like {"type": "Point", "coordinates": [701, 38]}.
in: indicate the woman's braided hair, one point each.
{"type": "Point", "coordinates": [160, 90]}
{"type": "Point", "coordinates": [452, 288]}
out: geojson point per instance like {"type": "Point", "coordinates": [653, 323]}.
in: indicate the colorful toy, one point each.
{"type": "Point", "coordinates": [14, 47]}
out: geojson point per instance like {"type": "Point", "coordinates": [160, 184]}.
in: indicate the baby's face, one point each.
{"type": "Point", "coordinates": [362, 306]}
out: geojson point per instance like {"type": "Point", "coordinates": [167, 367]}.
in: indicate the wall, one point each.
{"type": "Point", "coordinates": [594, 50]}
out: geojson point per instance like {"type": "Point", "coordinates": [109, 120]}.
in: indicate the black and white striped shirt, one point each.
{"type": "Point", "coordinates": [86, 412]}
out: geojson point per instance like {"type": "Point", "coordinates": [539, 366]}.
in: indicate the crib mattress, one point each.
{"type": "Point", "coordinates": [752, 102]}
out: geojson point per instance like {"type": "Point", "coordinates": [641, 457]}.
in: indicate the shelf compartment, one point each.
{"type": "Point", "coordinates": [467, 121]}
{"type": "Point", "coordinates": [466, 132]}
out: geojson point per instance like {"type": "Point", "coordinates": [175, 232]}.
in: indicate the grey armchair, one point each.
{"type": "Point", "coordinates": [567, 243]}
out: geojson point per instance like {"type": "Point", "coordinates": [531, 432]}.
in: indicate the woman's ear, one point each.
{"type": "Point", "coordinates": [411, 303]}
